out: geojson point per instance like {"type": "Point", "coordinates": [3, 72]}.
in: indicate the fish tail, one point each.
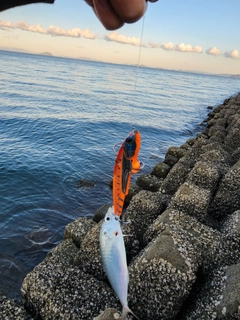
{"type": "Point", "coordinates": [125, 311]}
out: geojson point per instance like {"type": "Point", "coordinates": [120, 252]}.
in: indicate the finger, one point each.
{"type": "Point", "coordinates": [129, 10]}
{"type": "Point", "coordinates": [106, 14]}
{"type": "Point", "coordinates": [89, 2]}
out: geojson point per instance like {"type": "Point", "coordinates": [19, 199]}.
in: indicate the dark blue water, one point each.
{"type": "Point", "coordinates": [59, 119]}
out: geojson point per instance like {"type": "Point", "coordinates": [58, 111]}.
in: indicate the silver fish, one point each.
{"type": "Point", "coordinates": [114, 258]}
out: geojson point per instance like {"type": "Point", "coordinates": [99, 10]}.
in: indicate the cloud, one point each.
{"type": "Point", "coordinates": [52, 30]}
{"type": "Point", "coordinates": [168, 46]}
{"type": "Point", "coordinates": [154, 45]}
{"type": "Point", "coordinates": [234, 54]}
{"type": "Point", "coordinates": [182, 47]}
{"type": "Point", "coordinates": [120, 38]}
{"type": "Point", "coordinates": [74, 33]}
{"type": "Point", "coordinates": [22, 26]}
{"type": "Point", "coordinates": [214, 51]}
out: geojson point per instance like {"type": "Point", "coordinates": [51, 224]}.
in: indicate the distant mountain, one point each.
{"type": "Point", "coordinates": [46, 54]}
{"type": "Point", "coordinates": [237, 76]}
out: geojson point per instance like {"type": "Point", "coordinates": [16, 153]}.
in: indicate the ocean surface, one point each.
{"type": "Point", "coordinates": [59, 120]}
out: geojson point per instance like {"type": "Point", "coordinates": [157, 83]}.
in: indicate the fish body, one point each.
{"type": "Point", "coordinates": [114, 257]}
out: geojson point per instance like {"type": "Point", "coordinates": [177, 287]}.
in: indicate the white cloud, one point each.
{"type": "Point", "coordinates": [154, 45]}
{"type": "Point", "coordinates": [74, 33]}
{"type": "Point", "coordinates": [52, 30]}
{"type": "Point", "coordinates": [120, 38]}
{"type": "Point", "coordinates": [22, 26]}
{"type": "Point", "coordinates": [182, 47]}
{"type": "Point", "coordinates": [234, 54]}
{"type": "Point", "coordinates": [168, 46]}
{"type": "Point", "coordinates": [214, 51]}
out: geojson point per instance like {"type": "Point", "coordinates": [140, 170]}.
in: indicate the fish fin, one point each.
{"type": "Point", "coordinates": [125, 311]}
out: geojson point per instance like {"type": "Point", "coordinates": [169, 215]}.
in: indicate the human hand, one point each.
{"type": "Point", "coordinates": [114, 13]}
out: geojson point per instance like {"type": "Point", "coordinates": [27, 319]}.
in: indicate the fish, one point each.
{"type": "Point", "coordinates": [113, 253]}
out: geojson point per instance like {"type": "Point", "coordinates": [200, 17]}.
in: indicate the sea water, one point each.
{"type": "Point", "coordinates": [59, 120]}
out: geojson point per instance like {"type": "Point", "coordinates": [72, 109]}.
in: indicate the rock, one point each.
{"type": "Point", "coordinates": [191, 199]}
{"type": "Point", "coordinates": [52, 291]}
{"type": "Point", "coordinates": [231, 226]}
{"type": "Point", "coordinates": [170, 160]}
{"type": "Point", "coordinates": [227, 198]}
{"type": "Point", "coordinates": [203, 239]}
{"type": "Point", "coordinates": [176, 152]}
{"type": "Point", "coordinates": [175, 178]}
{"type": "Point", "coordinates": [144, 209]}
{"type": "Point", "coordinates": [180, 267]}
{"type": "Point", "coordinates": [161, 277]}
{"type": "Point", "coordinates": [234, 157]}
{"type": "Point", "coordinates": [185, 146]}
{"type": "Point", "coordinates": [160, 170]}
{"type": "Point", "coordinates": [219, 298]}
{"type": "Point", "coordinates": [64, 253]}
{"type": "Point", "coordinates": [214, 154]}
{"type": "Point", "coordinates": [232, 139]}
{"type": "Point", "coordinates": [133, 190]}
{"type": "Point", "coordinates": [11, 309]}
{"type": "Point", "coordinates": [191, 141]}
{"type": "Point", "coordinates": [56, 289]}
{"type": "Point", "coordinates": [210, 107]}
{"type": "Point", "coordinates": [204, 175]}
{"type": "Point", "coordinates": [84, 183]}
{"type": "Point", "coordinates": [77, 230]}
{"type": "Point", "coordinates": [88, 257]}
{"type": "Point", "coordinates": [149, 182]}
{"type": "Point", "coordinates": [109, 314]}
{"type": "Point", "coordinates": [100, 213]}
{"type": "Point", "coordinates": [40, 235]}
{"type": "Point", "coordinates": [229, 243]}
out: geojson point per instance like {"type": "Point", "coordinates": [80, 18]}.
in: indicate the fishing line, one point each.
{"type": "Point", "coordinates": [137, 68]}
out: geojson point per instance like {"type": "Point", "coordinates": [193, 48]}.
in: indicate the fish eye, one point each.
{"type": "Point", "coordinates": [107, 218]}
{"type": "Point", "coordinates": [116, 218]}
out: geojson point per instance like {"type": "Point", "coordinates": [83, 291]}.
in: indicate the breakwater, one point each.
{"type": "Point", "coordinates": [183, 248]}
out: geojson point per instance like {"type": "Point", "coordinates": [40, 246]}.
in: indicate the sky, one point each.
{"type": "Point", "coordinates": [190, 35]}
